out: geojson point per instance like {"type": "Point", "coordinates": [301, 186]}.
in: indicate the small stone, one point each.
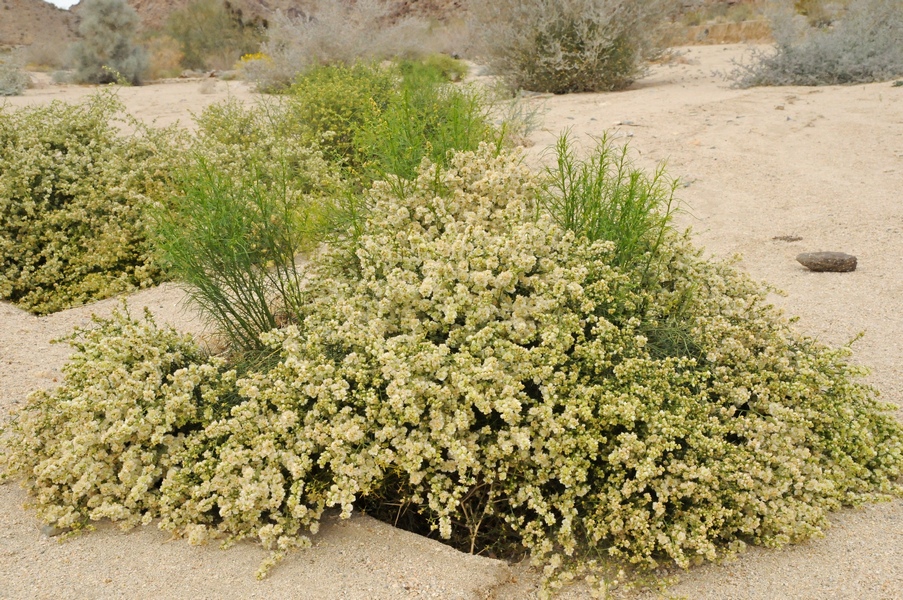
{"type": "Point", "coordinates": [836, 262]}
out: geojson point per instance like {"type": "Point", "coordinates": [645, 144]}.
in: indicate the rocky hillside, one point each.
{"type": "Point", "coordinates": [153, 13]}
{"type": "Point", "coordinates": [26, 22]}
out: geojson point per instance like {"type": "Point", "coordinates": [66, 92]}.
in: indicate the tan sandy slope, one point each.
{"type": "Point", "coordinates": [822, 164]}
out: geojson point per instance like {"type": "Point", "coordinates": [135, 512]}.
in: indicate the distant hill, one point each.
{"type": "Point", "coordinates": [154, 13]}
{"type": "Point", "coordinates": [26, 22]}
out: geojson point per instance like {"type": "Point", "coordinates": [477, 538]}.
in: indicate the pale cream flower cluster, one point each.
{"type": "Point", "coordinates": [466, 356]}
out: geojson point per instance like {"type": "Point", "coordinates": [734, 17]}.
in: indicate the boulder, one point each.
{"type": "Point", "coordinates": [836, 262]}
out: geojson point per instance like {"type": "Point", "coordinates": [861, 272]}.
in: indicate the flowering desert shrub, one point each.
{"type": "Point", "coordinates": [100, 444]}
{"type": "Point", "coordinates": [73, 193]}
{"type": "Point", "coordinates": [465, 358]}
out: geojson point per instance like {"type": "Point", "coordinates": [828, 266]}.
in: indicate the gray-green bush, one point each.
{"type": "Point", "coordinates": [13, 78]}
{"type": "Point", "coordinates": [862, 46]}
{"type": "Point", "coordinates": [74, 193]}
{"type": "Point", "coordinates": [563, 46]}
{"type": "Point", "coordinates": [106, 52]}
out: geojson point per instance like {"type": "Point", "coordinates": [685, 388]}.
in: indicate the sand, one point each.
{"type": "Point", "coordinates": [822, 164]}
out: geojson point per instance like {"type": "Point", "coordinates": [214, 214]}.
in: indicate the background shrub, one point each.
{"type": "Point", "coordinates": [74, 191]}
{"type": "Point", "coordinates": [212, 34]}
{"type": "Point", "coordinates": [861, 47]}
{"type": "Point", "coordinates": [107, 52]}
{"type": "Point", "coordinates": [164, 57]}
{"type": "Point", "coordinates": [13, 78]}
{"type": "Point", "coordinates": [46, 54]}
{"type": "Point", "coordinates": [338, 33]}
{"type": "Point", "coordinates": [569, 45]}
{"type": "Point", "coordinates": [380, 120]}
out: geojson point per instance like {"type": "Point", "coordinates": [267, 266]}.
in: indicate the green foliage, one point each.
{"type": "Point", "coordinates": [603, 197]}
{"type": "Point", "coordinates": [486, 371]}
{"type": "Point", "coordinates": [425, 118]}
{"type": "Point", "coordinates": [251, 199]}
{"type": "Point", "coordinates": [334, 103]}
{"type": "Point", "coordinates": [861, 47]}
{"type": "Point", "coordinates": [73, 197]}
{"type": "Point", "coordinates": [451, 68]}
{"type": "Point", "coordinates": [376, 121]}
{"type": "Point", "coordinates": [212, 34]}
{"type": "Point", "coordinates": [569, 46]}
{"type": "Point", "coordinates": [106, 52]}
{"type": "Point", "coordinates": [13, 79]}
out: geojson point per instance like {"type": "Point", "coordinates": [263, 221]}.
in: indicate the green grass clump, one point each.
{"type": "Point", "coordinates": [251, 199]}
{"type": "Point", "coordinates": [604, 197]}
{"type": "Point", "coordinates": [73, 196]}
{"type": "Point", "coordinates": [484, 374]}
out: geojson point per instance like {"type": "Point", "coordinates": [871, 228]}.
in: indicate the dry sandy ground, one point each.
{"type": "Point", "coordinates": [822, 164]}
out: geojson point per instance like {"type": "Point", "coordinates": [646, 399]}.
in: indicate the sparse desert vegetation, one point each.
{"type": "Point", "coordinates": [410, 318]}
{"type": "Point", "coordinates": [857, 44]}
{"type": "Point", "coordinates": [13, 78]}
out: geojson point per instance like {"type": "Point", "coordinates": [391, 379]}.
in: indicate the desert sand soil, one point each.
{"type": "Point", "coordinates": [821, 164]}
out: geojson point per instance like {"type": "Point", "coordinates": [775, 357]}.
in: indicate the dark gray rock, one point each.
{"type": "Point", "coordinates": [836, 262]}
